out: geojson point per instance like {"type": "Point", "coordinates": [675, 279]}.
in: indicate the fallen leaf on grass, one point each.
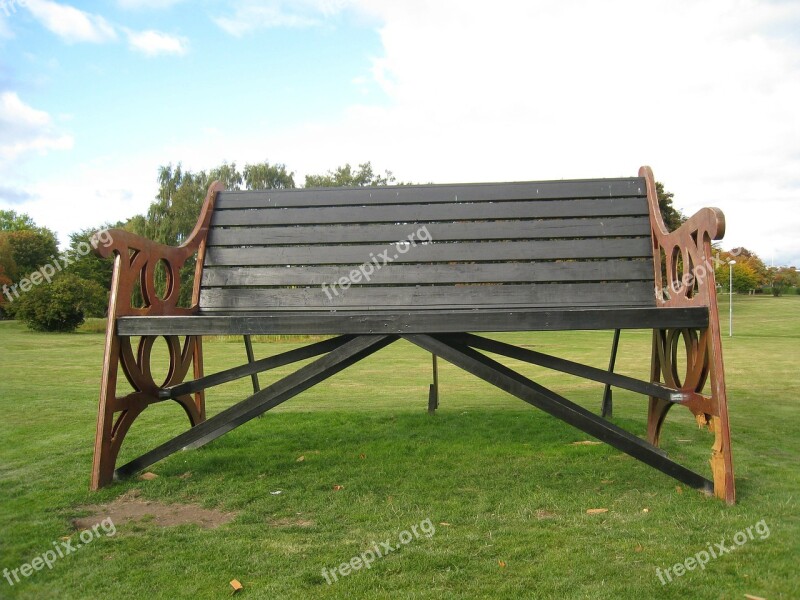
{"type": "Point", "coordinates": [362, 456]}
{"type": "Point", "coordinates": [596, 511]}
{"type": "Point", "coordinates": [502, 564]}
{"type": "Point", "coordinates": [148, 476]}
{"type": "Point", "coordinates": [586, 443]}
{"type": "Point", "coordinates": [638, 548]}
{"type": "Point", "coordinates": [751, 597]}
{"type": "Point", "coordinates": [185, 475]}
{"type": "Point", "coordinates": [645, 510]}
{"type": "Point", "coordinates": [236, 585]}
{"type": "Point", "coordinates": [444, 524]}
{"type": "Point", "coordinates": [301, 458]}
{"type": "Point", "coordinates": [679, 489]}
{"type": "Point", "coordinates": [337, 488]}
{"type": "Point", "coordinates": [276, 492]}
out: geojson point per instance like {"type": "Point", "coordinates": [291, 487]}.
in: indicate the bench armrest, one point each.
{"type": "Point", "coordinates": [682, 260]}
{"type": "Point", "coordinates": [136, 259]}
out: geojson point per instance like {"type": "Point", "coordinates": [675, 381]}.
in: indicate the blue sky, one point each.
{"type": "Point", "coordinates": [95, 96]}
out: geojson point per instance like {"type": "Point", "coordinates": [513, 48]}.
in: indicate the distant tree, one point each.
{"type": "Point", "coordinates": [7, 262]}
{"type": "Point", "coordinates": [783, 278]}
{"type": "Point", "coordinates": [90, 266]}
{"type": "Point", "coordinates": [31, 249]}
{"type": "Point", "coordinates": [346, 177]}
{"type": "Point", "coordinates": [228, 175]}
{"type": "Point", "coordinates": [10, 220]}
{"type": "Point", "coordinates": [673, 217]}
{"type": "Point", "coordinates": [264, 176]}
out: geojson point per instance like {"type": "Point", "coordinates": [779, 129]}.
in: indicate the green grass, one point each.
{"type": "Point", "coordinates": [504, 476]}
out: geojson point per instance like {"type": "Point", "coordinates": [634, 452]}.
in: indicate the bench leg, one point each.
{"type": "Point", "coordinates": [703, 358]}
{"type": "Point", "coordinates": [433, 392]}
{"type": "Point", "coordinates": [248, 348]}
{"type": "Point", "coordinates": [607, 408]}
{"type": "Point", "coordinates": [117, 413]}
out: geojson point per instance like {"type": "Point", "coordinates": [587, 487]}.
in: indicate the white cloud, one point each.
{"type": "Point", "coordinates": [24, 129]}
{"type": "Point", "coordinates": [252, 15]}
{"type": "Point", "coordinates": [147, 4]}
{"type": "Point", "coordinates": [154, 43]}
{"type": "Point", "coordinates": [69, 23]}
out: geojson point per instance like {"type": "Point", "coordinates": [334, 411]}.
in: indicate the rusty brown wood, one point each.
{"type": "Point", "coordinates": [688, 280]}
{"type": "Point", "coordinates": [135, 262]}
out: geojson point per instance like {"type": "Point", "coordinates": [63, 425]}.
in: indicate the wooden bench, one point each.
{"type": "Point", "coordinates": [433, 264]}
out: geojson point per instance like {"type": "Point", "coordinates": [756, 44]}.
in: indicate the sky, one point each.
{"type": "Point", "coordinates": [95, 96]}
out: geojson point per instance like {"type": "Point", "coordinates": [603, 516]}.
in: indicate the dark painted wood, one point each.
{"type": "Point", "coordinates": [248, 348]}
{"type": "Point", "coordinates": [435, 193]}
{"type": "Point", "coordinates": [423, 253]}
{"type": "Point", "coordinates": [415, 321]}
{"type": "Point", "coordinates": [537, 395]}
{"type": "Point", "coordinates": [541, 295]}
{"type": "Point", "coordinates": [253, 367]}
{"type": "Point", "coordinates": [414, 213]}
{"type": "Point", "coordinates": [606, 408]}
{"type": "Point", "coordinates": [567, 366]}
{"type": "Point", "coordinates": [268, 398]}
{"type": "Point", "coordinates": [441, 232]}
{"type": "Point", "coordinates": [439, 273]}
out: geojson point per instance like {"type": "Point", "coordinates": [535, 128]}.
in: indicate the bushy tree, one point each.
{"type": "Point", "coordinates": [264, 176]}
{"type": "Point", "coordinates": [31, 249]}
{"type": "Point", "coordinates": [783, 278]}
{"type": "Point", "coordinates": [346, 177]}
{"type": "Point", "coordinates": [61, 305]}
{"type": "Point", "coordinates": [673, 217]}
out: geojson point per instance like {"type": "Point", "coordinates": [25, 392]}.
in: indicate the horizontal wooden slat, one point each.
{"type": "Point", "coordinates": [422, 253]}
{"type": "Point", "coordinates": [475, 192]}
{"type": "Point", "coordinates": [413, 213]}
{"type": "Point", "coordinates": [484, 230]}
{"type": "Point", "coordinates": [418, 321]}
{"type": "Point", "coordinates": [405, 274]}
{"type": "Point", "coordinates": [410, 297]}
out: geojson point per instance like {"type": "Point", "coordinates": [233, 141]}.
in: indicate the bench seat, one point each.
{"type": "Point", "coordinates": [312, 322]}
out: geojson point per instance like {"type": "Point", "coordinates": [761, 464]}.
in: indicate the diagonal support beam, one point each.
{"type": "Point", "coordinates": [512, 382]}
{"type": "Point", "coordinates": [567, 366]}
{"type": "Point", "coordinates": [337, 360]}
{"type": "Point", "coordinates": [253, 367]}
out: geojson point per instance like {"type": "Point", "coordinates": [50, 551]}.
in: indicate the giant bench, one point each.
{"type": "Point", "coordinates": [435, 265]}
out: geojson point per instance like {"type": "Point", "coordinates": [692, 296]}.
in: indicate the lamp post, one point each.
{"type": "Point", "coordinates": [730, 296]}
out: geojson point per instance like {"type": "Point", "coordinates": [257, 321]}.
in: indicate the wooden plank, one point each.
{"type": "Point", "coordinates": [414, 213]}
{"type": "Point", "coordinates": [539, 396]}
{"type": "Point", "coordinates": [327, 322]}
{"type": "Point", "coordinates": [440, 273]}
{"type": "Point", "coordinates": [381, 254]}
{"type": "Point", "coordinates": [646, 388]}
{"type": "Point", "coordinates": [389, 233]}
{"type": "Point", "coordinates": [544, 295]}
{"type": "Point", "coordinates": [434, 193]}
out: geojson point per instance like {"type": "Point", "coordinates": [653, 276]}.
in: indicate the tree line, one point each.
{"type": "Point", "coordinates": [80, 288]}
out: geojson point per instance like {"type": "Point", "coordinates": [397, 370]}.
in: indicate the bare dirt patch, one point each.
{"type": "Point", "coordinates": [130, 508]}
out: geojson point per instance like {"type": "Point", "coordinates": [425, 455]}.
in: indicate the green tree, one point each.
{"type": "Point", "coordinates": [264, 176]}
{"type": "Point", "coordinates": [783, 278]}
{"type": "Point", "coordinates": [346, 177]}
{"type": "Point", "coordinates": [62, 305]}
{"type": "Point", "coordinates": [90, 266]}
{"type": "Point", "coordinates": [31, 249]}
{"type": "Point", "coordinates": [10, 220]}
{"type": "Point", "coordinates": [7, 262]}
{"type": "Point", "coordinates": [673, 217]}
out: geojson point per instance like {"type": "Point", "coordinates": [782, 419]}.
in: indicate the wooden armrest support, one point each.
{"type": "Point", "coordinates": [136, 259]}
{"type": "Point", "coordinates": [684, 269]}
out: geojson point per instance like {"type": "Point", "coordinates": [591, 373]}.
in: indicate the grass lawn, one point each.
{"type": "Point", "coordinates": [496, 490]}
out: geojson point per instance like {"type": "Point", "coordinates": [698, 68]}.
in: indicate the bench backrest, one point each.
{"type": "Point", "coordinates": [551, 244]}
